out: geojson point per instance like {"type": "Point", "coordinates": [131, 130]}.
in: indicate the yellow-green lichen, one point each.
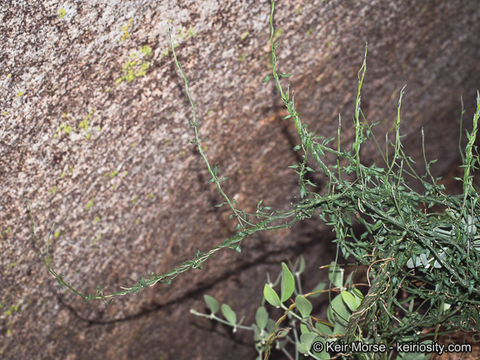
{"type": "Point", "coordinates": [242, 57]}
{"type": "Point", "coordinates": [96, 238]}
{"type": "Point", "coordinates": [63, 128]}
{"type": "Point", "coordinates": [20, 93]}
{"type": "Point", "coordinates": [84, 123]}
{"type": "Point", "coordinates": [244, 35]}
{"type": "Point", "coordinates": [191, 32]}
{"type": "Point", "coordinates": [57, 234]}
{"type": "Point", "coordinates": [53, 190]}
{"type": "Point", "coordinates": [89, 204]}
{"type": "Point", "coordinates": [183, 33]}
{"type": "Point", "coordinates": [277, 34]}
{"type": "Point", "coordinates": [150, 196]}
{"type": "Point", "coordinates": [113, 173]}
{"type": "Point", "coordinates": [12, 309]}
{"type": "Point", "coordinates": [146, 50]}
{"type": "Point", "coordinates": [8, 267]}
{"type": "Point", "coordinates": [9, 76]}
{"type": "Point", "coordinates": [96, 220]}
{"type": "Point", "coordinates": [298, 10]}
{"type": "Point", "coordinates": [61, 13]}
{"type": "Point", "coordinates": [136, 66]}
{"type": "Point", "coordinates": [126, 30]}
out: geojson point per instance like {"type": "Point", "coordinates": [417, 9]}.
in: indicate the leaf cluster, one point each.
{"type": "Point", "coordinates": [421, 247]}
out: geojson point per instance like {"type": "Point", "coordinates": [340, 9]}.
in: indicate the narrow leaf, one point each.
{"type": "Point", "coordinates": [301, 268]}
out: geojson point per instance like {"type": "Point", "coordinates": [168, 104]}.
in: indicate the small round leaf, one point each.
{"type": "Point", "coordinates": [350, 300]}
{"type": "Point", "coordinates": [261, 317]}
{"type": "Point", "coordinates": [323, 328]}
{"type": "Point", "coordinates": [271, 296]}
{"type": "Point", "coordinates": [337, 312]}
{"type": "Point", "coordinates": [212, 303]}
{"type": "Point", "coordinates": [308, 338]}
{"type": "Point", "coordinates": [288, 283]}
{"type": "Point", "coordinates": [303, 305]}
{"type": "Point", "coordinates": [229, 314]}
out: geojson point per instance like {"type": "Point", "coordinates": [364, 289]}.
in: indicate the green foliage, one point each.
{"type": "Point", "coordinates": [303, 305]}
{"type": "Point", "coordinates": [335, 275]}
{"type": "Point", "coordinates": [296, 330]}
{"type": "Point", "coordinates": [288, 283]}
{"type": "Point", "coordinates": [229, 314]}
{"type": "Point", "coordinates": [422, 248]}
{"type": "Point", "coordinates": [261, 317]}
{"type": "Point", "coordinates": [271, 296]}
{"type": "Point", "coordinates": [212, 303]}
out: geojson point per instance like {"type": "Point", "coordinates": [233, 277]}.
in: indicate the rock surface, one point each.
{"type": "Point", "coordinates": [94, 135]}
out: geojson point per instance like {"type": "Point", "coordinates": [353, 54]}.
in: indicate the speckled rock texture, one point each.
{"type": "Point", "coordinates": [94, 135]}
